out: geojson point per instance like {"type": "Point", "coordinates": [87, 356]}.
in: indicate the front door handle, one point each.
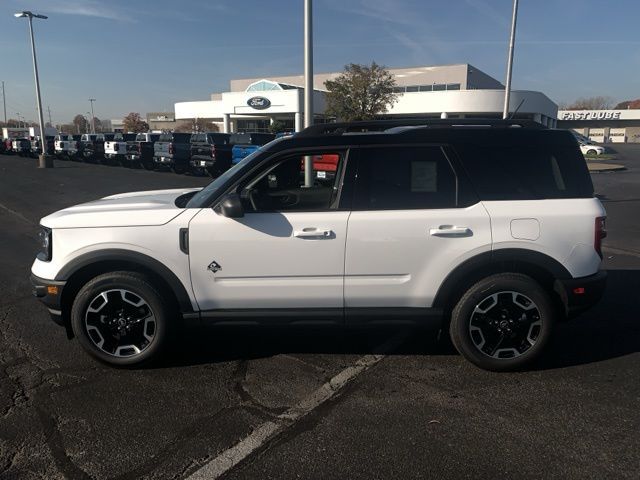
{"type": "Point", "coordinates": [450, 231]}
{"type": "Point", "coordinates": [313, 232]}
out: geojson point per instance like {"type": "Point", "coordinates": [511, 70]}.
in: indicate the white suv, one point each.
{"type": "Point", "coordinates": [488, 228]}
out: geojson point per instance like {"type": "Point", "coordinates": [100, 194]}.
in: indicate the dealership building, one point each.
{"type": "Point", "coordinates": [603, 126]}
{"type": "Point", "coordinates": [453, 91]}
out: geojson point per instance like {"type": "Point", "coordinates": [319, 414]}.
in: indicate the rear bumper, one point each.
{"type": "Point", "coordinates": [49, 292]}
{"type": "Point", "coordinates": [206, 162]}
{"type": "Point", "coordinates": [580, 294]}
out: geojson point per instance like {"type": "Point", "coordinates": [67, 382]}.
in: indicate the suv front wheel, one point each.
{"type": "Point", "coordinates": [121, 318]}
{"type": "Point", "coordinates": [503, 322]}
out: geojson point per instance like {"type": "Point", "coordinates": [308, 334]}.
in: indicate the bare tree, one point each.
{"type": "Point", "coordinates": [591, 103]}
{"type": "Point", "coordinates": [628, 105]}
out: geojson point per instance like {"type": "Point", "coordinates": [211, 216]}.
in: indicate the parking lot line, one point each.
{"type": "Point", "coordinates": [267, 431]}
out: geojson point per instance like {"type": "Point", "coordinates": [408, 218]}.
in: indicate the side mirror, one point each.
{"type": "Point", "coordinates": [231, 206]}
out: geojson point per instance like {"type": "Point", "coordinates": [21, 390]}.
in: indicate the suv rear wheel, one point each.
{"type": "Point", "coordinates": [121, 319]}
{"type": "Point", "coordinates": [503, 322]}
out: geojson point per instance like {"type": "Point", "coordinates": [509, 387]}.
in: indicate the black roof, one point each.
{"type": "Point", "coordinates": [482, 132]}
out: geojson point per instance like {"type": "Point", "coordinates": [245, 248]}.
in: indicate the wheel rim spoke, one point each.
{"type": "Point", "coordinates": [505, 325]}
{"type": "Point", "coordinates": [120, 323]}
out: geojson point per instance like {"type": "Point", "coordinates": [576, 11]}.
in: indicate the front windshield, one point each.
{"type": "Point", "coordinates": [197, 200]}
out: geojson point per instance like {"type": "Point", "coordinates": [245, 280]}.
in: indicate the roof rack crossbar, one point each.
{"type": "Point", "coordinates": [340, 128]}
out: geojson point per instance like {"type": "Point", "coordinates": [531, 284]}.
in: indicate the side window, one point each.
{"type": "Point", "coordinates": [282, 186]}
{"type": "Point", "coordinates": [404, 178]}
{"type": "Point", "coordinates": [526, 173]}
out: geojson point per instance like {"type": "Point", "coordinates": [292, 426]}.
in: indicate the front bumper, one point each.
{"type": "Point", "coordinates": [49, 292]}
{"type": "Point", "coordinates": [580, 294]}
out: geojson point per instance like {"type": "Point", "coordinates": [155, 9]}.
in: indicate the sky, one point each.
{"type": "Point", "coordinates": [145, 55]}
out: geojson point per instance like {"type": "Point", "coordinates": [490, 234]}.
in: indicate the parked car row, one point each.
{"type": "Point", "coordinates": [205, 152]}
{"type": "Point", "coordinates": [26, 147]}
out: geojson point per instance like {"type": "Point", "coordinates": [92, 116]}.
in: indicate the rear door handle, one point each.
{"type": "Point", "coordinates": [450, 231]}
{"type": "Point", "coordinates": [313, 232]}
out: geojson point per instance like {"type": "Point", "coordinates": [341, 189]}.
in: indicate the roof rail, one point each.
{"type": "Point", "coordinates": [341, 128]}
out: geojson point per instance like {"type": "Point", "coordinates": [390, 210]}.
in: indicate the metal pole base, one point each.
{"type": "Point", "coordinates": [45, 161]}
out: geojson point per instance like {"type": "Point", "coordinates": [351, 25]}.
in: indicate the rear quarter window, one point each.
{"type": "Point", "coordinates": [527, 172]}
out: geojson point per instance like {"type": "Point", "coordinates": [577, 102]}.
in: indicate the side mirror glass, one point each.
{"type": "Point", "coordinates": [231, 206]}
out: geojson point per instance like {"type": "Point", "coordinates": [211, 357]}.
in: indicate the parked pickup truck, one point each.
{"type": "Point", "coordinates": [115, 149]}
{"type": "Point", "coordinates": [65, 146]}
{"type": "Point", "coordinates": [140, 150]}
{"type": "Point", "coordinates": [245, 144]}
{"type": "Point", "coordinates": [21, 146]}
{"type": "Point", "coordinates": [173, 150]}
{"type": "Point", "coordinates": [92, 146]}
{"type": "Point", "coordinates": [210, 152]}
{"type": "Point", "coordinates": [36, 148]}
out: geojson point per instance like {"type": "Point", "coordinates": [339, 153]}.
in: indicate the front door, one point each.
{"type": "Point", "coordinates": [287, 252]}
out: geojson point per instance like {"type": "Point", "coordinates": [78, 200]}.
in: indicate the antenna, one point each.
{"type": "Point", "coordinates": [516, 110]}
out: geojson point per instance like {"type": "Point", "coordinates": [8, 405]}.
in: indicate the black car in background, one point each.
{"type": "Point", "coordinates": [140, 150]}
{"type": "Point", "coordinates": [210, 152]}
{"type": "Point", "coordinates": [173, 150]}
{"type": "Point", "coordinates": [91, 147]}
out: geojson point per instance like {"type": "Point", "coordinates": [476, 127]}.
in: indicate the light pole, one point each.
{"type": "Point", "coordinates": [19, 123]}
{"type": "Point", "coordinates": [308, 84]}
{"type": "Point", "coordinates": [512, 39]}
{"type": "Point", "coordinates": [88, 124]}
{"type": "Point", "coordinates": [93, 122]}
{"type": "Point", "coordinates": [43, 160]}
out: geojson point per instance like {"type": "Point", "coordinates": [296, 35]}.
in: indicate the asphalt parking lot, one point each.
{"type": "Point", "coordinates": [412, 407]}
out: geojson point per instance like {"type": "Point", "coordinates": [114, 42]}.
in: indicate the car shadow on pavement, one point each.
{"type": "Point", "coordinates": [610, 330]}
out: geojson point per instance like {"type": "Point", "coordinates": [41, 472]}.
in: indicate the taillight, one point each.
{"type": "Point", "coordinates": [139, 148]}
{"type": "Point", "coordinates": [600, 233]}
{"type": "Point", "coordinates": [171, 148]}
{"type": "Point", "coordinates": [213, 151]}
{"type": "Point", "coordinates": [116, 147]}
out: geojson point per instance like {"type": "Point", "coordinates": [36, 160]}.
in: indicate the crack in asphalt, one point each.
{"type": "Point", "coordinates": [246, 399]}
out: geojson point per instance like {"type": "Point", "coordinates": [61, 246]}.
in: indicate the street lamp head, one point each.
{"type": "Point", "coordinates": [28, 14]}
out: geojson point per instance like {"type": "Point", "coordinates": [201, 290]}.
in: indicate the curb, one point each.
{"type": "Point", "coordinates": [597, 167]}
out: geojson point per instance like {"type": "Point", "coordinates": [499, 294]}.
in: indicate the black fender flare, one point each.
{"type": "Point", "coordinates": [130, 257]}
{"type": "Point", "coordinates": [494, 261]}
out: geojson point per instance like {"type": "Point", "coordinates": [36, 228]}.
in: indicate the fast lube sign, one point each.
{"type": "Point", "coordinates": [593, 115]}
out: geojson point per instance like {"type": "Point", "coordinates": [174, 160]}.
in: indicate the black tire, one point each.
{"type": "Point", "coordinates": [500, 337]}
{"type": "Point", "coordinates": [148, 165]}
{"type": "Point", "coordinates": [150, 338]}
{"type": "Point", "coordinates": [179, 168]}
{"type": "Point", "coordinates": [591, 152]}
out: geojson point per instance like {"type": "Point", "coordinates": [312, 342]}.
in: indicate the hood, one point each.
{"type": "Point", "coordinates": [149, 208]}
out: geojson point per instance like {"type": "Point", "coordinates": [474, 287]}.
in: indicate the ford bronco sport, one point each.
{"type": "Point", "coordinates": [489, 229]}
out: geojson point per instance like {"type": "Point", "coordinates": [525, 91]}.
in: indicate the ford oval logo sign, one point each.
{"type": "Point", "coordinates": [259, 103]}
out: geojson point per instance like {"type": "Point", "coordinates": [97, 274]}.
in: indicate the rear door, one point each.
{"type": "Point", "coordinates": [414, 220]}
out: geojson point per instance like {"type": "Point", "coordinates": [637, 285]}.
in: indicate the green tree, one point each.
{"type": "Point", "coordinates": [133, 122]}
{"type": "Point", "coordinates": [277, 126]}
{"type": "Point", "coordinates": [361, 92]}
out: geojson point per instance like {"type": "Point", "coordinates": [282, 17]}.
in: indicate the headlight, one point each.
{"type": "Point", "coordinates": [45, 241]}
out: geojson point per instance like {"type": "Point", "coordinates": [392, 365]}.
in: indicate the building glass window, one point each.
{"type": "Point", "coordinates": [263, 86]}
{"type": "Point", "coordinates": [438, 87]}
{"type": "Point", "coordinates": [426, 88]}
{"type": "Point", "coordinates": [413, 88]}
{"type": "Point", "coordinates": [453, 86]}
